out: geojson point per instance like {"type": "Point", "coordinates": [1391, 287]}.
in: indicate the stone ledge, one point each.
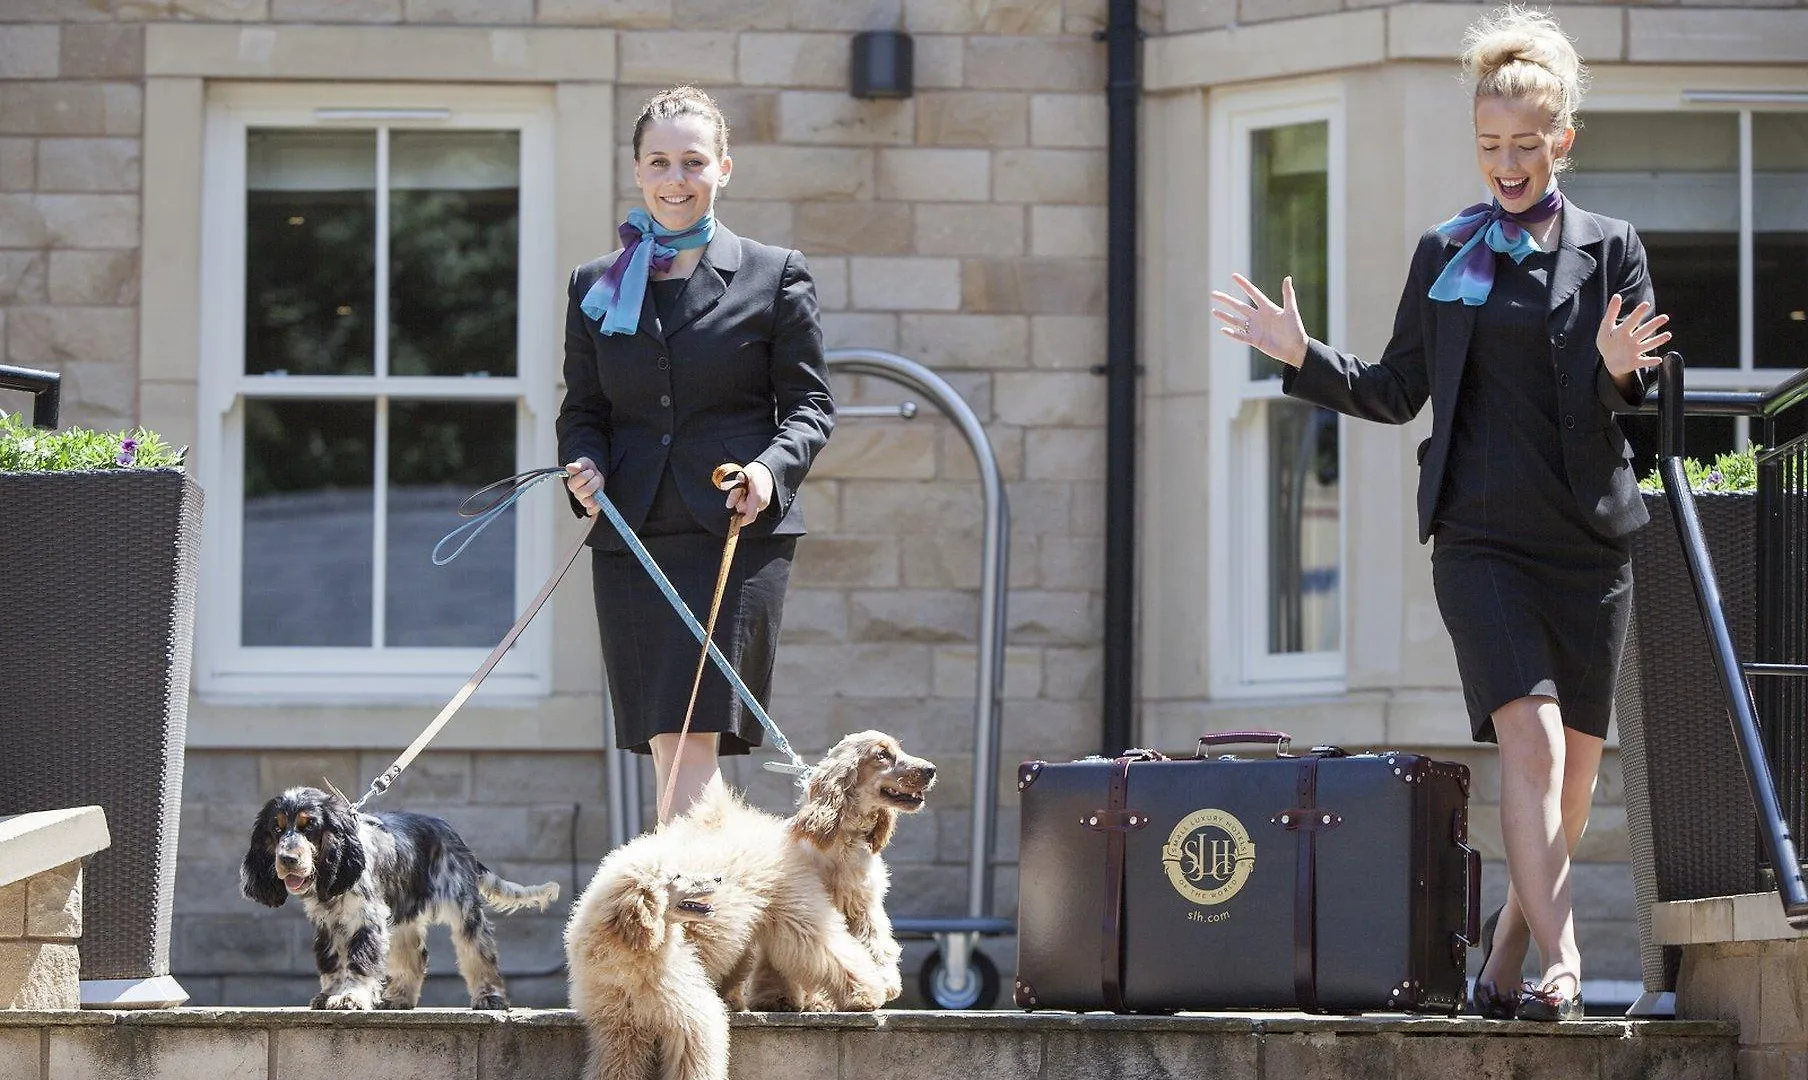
{"type": "Point", "coordinates": [1720, 919]}
{"type": "Point", "coordinates": [1275, 1023]}
{"type": "Point", "coordinates": [293, 1044]}
{"type": "Point", "coordinates": [33, 843]}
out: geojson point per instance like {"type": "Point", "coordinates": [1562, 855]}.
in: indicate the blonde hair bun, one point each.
{"type": "Point", "coordinates": [1518, 52]}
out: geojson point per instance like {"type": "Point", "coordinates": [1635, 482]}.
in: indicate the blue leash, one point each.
{"type": "Point", "coordinates": [504, 494]}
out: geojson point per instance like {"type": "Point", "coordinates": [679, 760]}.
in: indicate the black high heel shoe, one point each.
{"type": "Point", "coordinates": [1490, 1002]}
{"type": "Point", "coordinates": [1547, 1003]}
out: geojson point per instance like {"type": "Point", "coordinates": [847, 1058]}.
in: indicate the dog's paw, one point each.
{"type": "Point", "coordinates": [348, 1001]}
{"type": "Point", "coordinates": [396, 1004]}
{"type": "Point", "coordinates": [894, 987]}
{"type": "Point", "coordinates": [817, 1003]}
{"type": "Point", "coordinates": [319, 1001]}
{"type": "Point", "coordinates": [494, 1002]}
{"type": "Point", "coordinates": [863, 997]}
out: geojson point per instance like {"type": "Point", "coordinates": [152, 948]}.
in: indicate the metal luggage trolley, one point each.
{"type": "Point", "coordinates": [957, 975]}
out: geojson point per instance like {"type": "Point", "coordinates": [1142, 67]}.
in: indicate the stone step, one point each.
{"type": "Point", "coordinates": [534, 1044]}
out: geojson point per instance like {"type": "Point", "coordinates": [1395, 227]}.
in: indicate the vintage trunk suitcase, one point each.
{"type": "Point", "coordinates": [1327, 881]}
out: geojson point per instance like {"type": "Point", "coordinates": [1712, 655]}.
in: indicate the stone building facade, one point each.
{"type": "Point", "coordinates": [963, 227]}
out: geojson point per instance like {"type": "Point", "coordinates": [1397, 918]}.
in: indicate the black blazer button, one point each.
{"type": "Point", "coordinates": [663, 363]}
{"type": "Point", "coordinates": [1559, 340]}
{"type": "Point", "coordinates": [1569, 422]}
{"type": "Point", "coordinates": [1563, 380]}
{"type": "Point", "coordinates": [666, 440]}
{"type": "Point", "coordinates": [665, 401]}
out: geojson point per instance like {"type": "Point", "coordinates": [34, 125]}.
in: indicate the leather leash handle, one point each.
{"type": "Point", "coordinates": [725, 477]}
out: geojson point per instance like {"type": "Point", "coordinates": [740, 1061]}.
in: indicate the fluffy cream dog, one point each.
{"type": "Point", "coordinates": [839, 832]}
{"type": "Point", "coordinates": [647, 1002]}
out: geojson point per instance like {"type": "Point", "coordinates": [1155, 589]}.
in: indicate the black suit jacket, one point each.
{"type": "Point", "coordinates": [1430, 346]}
{"type": "Point", "coordinates": [736, 374]}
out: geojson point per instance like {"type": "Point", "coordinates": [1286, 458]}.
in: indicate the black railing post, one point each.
{"type": "Point", "coordinates": [45, 386]}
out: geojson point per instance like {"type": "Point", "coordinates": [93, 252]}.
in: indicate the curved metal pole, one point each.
{"type": "Point", "coordinates": [993, 559]}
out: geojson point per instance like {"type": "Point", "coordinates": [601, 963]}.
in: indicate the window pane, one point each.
{"type": "Point", "coordinates": [310, 248]}
{"type": "Point", "coordinates": [454, 209]}
{"type": "Point", "coordinates": [1289, 207]}
{"type": "Point", "coordinates": [1780, 239]}
{"type": "Point", "coordinates": [440, 452]}
{"type": "Point", "coordinates": [1304, 529]}
{"type": "Point", "coordinates": [308, 521]}
{"type": "Point", "coordinates": [1675, 176]}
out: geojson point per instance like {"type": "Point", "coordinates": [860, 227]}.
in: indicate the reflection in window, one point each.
{"type": "Point", "coordinates": [454, 210]}
{"type": "Point", "coordinates": [1676, 178]}
{"type": "Point", "coordinates": [1304, 533]}
{"type": "Point", "coordinates": [307, 541]}
{"type": "Point", "coordinates": [440, 452]}
{"type": "Point", "coordinates": [1780, 239]}
{"type": "Point", "coordinates": [1290, 185]}
{"type": "Point", "coordinates": [310, 251]}
{"type": "Point", "coordinates": [429, 221]}
{"type": "Point", "coordinates": [1289, 212]}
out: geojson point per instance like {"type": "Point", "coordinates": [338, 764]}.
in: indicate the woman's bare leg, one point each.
{"type": "Point", "coordinates": [697, 768]}
{"type": "Point", "coordinates": [1547, 784]}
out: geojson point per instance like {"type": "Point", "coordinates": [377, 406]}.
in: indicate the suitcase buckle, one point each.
{"type": "Point", "coordinates": [1307, 819]}
{"type": "Point", "coordinates": [1115, 820]}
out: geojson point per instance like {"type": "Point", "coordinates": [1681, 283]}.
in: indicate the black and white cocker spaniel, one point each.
{"type": "Point", "coordinates": [371, 885]}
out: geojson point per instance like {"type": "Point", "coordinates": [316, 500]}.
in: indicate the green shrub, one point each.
{"type": "Point", "coordinates": [1735, 471]}
{"type": "Point", "coordinates": [24, 448]}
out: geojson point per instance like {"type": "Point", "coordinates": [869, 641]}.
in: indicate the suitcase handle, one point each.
{"type": "Point", "coordinates": [1472, 920]}
{"type": "Point", "coordinates": [1280, 740]}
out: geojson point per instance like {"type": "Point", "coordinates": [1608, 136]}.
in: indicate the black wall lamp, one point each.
{"type": "Point", "coordinates": [881, 64]}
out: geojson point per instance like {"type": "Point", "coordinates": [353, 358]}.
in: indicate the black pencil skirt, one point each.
{"type": "Point", "coordinates": [1550, 625]}
{"type": "Point", "coordinates": [651, 657]}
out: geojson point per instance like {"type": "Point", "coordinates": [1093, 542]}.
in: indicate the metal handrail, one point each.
{"type": "Point", "coordinates": [46, 388]}
{"type": "Point", "coordinates": [1773, 828]}
{"type": "Point", "coordinates": [995, 550]}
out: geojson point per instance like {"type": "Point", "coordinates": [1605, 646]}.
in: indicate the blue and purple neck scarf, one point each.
{"type": "Point", "coordinates": [614, 300]}
{"type": "Point", "coordinates": [1469, 275]}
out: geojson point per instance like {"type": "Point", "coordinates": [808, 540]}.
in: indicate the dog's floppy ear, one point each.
{"type": "Point", "coordinates": [826, 800]}
{"type": "Point", "coordinates": [636, 910]}
{"type": "Point", "coordinates": [340, 861]}
{"type": "Point", "coordinates": [257, 875]}
{"type": "Point", "coordinates": [881, 834]}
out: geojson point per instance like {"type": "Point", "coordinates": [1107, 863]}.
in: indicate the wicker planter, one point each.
{"type": "Point", "coordinates": [97, 591]}
{"type": "Point", "coordinates": [1689, 816]}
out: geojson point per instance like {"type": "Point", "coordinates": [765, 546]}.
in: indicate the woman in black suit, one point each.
{"type": "Point", "coordinates": [687, 348]}
{"type": "Point", "coordinates": [1527, 325]}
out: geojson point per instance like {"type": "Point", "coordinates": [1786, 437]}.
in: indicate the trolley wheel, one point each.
{"type": "Point", "coordinates": [981, 991]}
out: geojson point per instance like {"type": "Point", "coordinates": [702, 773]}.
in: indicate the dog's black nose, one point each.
{"type": "Point", "coordinates": [928, 773]}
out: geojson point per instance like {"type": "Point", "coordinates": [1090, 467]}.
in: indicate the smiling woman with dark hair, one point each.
{"type": "Point", "coordinates": [1528, 324]}
{"type": "Point", "coordinates": [687, 348]}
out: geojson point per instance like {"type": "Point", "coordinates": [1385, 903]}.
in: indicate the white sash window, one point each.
{"type": "Point", "coordinates": [378, 341]}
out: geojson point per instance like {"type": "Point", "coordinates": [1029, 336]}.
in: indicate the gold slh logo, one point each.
{"type": "Point", "coordinates": [1208, 856]}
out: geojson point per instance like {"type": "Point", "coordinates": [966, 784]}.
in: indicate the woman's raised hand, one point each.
{"type": "Point", "coordinates": [1626, 344]}
{"type": "Point", "coordinates": [1273, 328]}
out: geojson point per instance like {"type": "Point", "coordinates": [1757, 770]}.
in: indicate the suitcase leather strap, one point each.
{"type": "Point", "coordinates": [1308, 819]}
{"type": "Point", "coordinates": [1114, 821]}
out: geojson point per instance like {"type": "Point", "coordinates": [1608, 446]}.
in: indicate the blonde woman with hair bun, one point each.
{"type": "Point", "coordinates": [1529, 325]}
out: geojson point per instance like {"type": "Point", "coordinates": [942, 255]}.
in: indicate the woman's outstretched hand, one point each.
{"type": "Point", "coordinates": [1626, 344]}
{"type": "Point", "coordinates": [1273, 328]}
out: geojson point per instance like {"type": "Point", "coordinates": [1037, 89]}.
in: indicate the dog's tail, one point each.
{"type": "Point", "coordinates": [506, 896]}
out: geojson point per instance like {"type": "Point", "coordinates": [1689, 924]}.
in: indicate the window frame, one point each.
{"type": "Point", "coordinates": [226, 670]}
{"type": "Point", "coordinates": [1238, 662]}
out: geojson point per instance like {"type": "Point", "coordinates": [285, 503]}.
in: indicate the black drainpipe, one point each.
{"type": "Point", "coordinates": [1123, 46]}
